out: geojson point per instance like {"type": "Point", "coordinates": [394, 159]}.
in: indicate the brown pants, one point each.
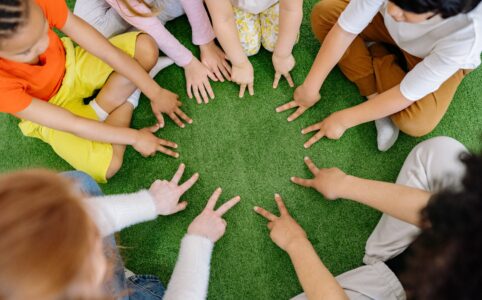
{"type": "Point", "coordinates": [375, 69]}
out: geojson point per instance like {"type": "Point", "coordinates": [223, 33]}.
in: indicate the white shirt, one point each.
{"type": "Point", "coordinates": [446, 45]}
{"type": "Point", "coordinates": [253, 6]}
{"type": "Point", "coordinates": [190, 277]}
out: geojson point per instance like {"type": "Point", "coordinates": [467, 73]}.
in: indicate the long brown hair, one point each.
{"type": "Point", "coordinates": [46, 239]}
{"type": "Point", "coordinates": [153, 8]}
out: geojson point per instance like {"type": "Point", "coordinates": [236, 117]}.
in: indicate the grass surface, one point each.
{"type": "Point", "coordinates": [249, 150]}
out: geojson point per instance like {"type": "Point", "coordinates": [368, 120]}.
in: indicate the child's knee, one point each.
{"type": "Point", "coordinates": [415, 126]}
{"type": "Point", "coordinates": [324, 16]}
{"type": "Point", "coordinates": [147, 51]}
{"type": "Point", "coordinates": [115, 165]}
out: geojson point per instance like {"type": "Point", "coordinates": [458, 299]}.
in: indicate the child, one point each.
{"type": "Point", "coordinates": [43, 81]}
{"type": "Point", "coordinates": [112, 17]}
{"type": "Point", "coordinates": [438, 40]}
{"type": "Point", "coordinates": [52, 246]}
{"type": "Point", "coordinates": [437, 197]}
{"type": "Point", "coordinates": [242, 26]}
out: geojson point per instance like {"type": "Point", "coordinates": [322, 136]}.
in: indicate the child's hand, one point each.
{"type": "Point", "coordinates": [147, 144]}
{"type": "Point", "coordinates": [328, 182]}
{"type": "Point", "coordinates": [215, 60]}
{"type": "Point", "coordinates": [282, 67]}
{"type": "Point", "coordinates": [210, 223]}
{"type": "Point", "coordinates": [333, 127]}
{"type": "Point", "coordinates": [166, 194]}
{"type": "Point", "coordinates": [197, 81]}
{"type": "Point", "coordinates": [284, 230]}
{"type": "Point", "coordinates": [167, 102]}
{"type": "Point", "coordinates": [244, 76]}
{"type": "Point", "coordinates": [303, 99]}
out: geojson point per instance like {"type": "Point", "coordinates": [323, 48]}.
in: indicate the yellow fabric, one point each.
{"type": "Point", "coordinates": [255, 30]}
{"type": "Point", "coordinates": [84, 74]}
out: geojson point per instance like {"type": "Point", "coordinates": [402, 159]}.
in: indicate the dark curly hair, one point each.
{"type": "Point", "coordinates": [446, 8]}
{"type": "Point", "coordinates": [13, 14]}
{"type": "Point", "coordinates": [446, 262]}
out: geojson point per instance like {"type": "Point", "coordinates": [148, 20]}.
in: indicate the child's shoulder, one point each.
{"type": "Point", "coordinates": [55, 11]}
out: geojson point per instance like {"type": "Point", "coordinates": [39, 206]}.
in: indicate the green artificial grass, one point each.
{"type": "Point", "coordinates": [246, 148]}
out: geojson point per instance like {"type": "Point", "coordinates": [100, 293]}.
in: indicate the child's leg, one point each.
{"type": "Point", "coordinates": [118, 88]}
{"type": "Point", "coordinates": [249, 31]}
{"type": "Point", "coordinates": [269, 20]}
{"type": "Point", "coordinates": [356, 63]}
{"type": "Point", "coordinates": [101, 16]}
{"type": "Point", "coordinates": [432, 165]}
{"type": "Point", "coordinates": [115, 92]}
{"type": "Point", "coordinates": [423, 115]}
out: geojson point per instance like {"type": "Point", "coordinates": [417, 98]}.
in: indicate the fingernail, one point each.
{"type": "Point", "coordinates": [175, 146]}
{"type": "Point", "coordinates": [255, 208]}
{"type": "Point", "coordinates": [292, 178]}
{"type": "Point", "coordinates": [276, 195]}
{"type": "Point", "coordinates": [306, 158]}
{"type": "Point", "coordinates": [306, 146]}
{"type": "Point", "coordinates": [219, 189]}
{"type": "Point", "coordinates": [182, 165]}
{"type": "Point", "coordinates": [182, 126]}
{"type": "Point", "coordinates": [289, 120]}
{"type": "Point", "coordinates": [196, 174]}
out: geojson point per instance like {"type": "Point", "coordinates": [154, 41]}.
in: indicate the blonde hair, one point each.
{"type": "Point", "coordinates": [153, 8]}
{"type": "Point", "coordinates": [46, 239]}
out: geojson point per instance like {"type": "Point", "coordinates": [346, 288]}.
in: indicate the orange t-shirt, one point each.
{"type": "Point", "coordinates": [20, 82]}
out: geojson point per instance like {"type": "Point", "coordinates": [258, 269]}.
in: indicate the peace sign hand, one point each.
{"type": "Point", "coordinates": [333, 127]}
{"type": "Point", "coordinates": [328, 182]}
{"type": "Point", "coordinates": [210, 223]}
{"type": "Point", "coordinates": [285, 231]}
{"type": "Point", "coordinates": [166, 194]}
{"type": "Point", "coordinates": [302, 100]}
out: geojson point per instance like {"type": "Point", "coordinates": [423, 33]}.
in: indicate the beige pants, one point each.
{"type": "Point", "coordinates": [375, 69]}
{"type": "Point", "coordinates": [432, 166]}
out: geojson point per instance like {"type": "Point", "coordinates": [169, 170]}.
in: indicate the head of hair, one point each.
{"type": "Point", "coordinates": [46, 239]}
{"type": "Point", "coordinates": [152, 9]}
{"type": "Point", "coordinates": [446, 262]}
{"type": "Point", "coordinates": [446, 8]}
{"type": "Point", "coordinates": [13, 15]}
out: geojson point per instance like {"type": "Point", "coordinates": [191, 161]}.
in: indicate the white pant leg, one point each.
{"type": "Point", "coordinates": [101, 16]}
{"type": "Point", "coordinates": [368, 282]}
{"type": "Point", "coordinates": [432, 166]}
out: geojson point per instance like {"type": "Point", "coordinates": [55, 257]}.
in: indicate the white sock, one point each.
{"type": "Point", "coordinates": [162, 62]}
{"type": "Point", "coordinates": [387, 133]}
{"type": "Point", "coordinates": [99, 111]}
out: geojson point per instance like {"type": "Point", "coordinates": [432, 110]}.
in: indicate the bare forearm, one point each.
{"type": "Point", "coordinates": [225, 29]}
{"type": "Point", "coordinates": [290, 16]}
{"type": "Point", "coordinates": [331, 51]}
{"type": "Point", "coordinates": [315, 278]}
{"type": "Point", "coordinates": [102, 132]}
{"type": "Point", "coordinates": [383, 105]}
{"type": "Point", "coordinates": [399, 201]}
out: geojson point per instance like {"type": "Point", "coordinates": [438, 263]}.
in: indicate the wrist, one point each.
{"type": "Point", "coordinates": [347, 186]}
{"type": "Point", "coordinates": [241, 62]}
{"type": "Point", "coordinates": [296, 243]}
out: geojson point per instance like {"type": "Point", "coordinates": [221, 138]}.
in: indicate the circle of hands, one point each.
{"type": "Point", "coordinates": [284, 230]}
{"type": "Point", "coordinates": [214, 66]}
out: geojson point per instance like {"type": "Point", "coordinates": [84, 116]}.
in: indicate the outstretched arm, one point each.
{"type": "Point", "coordinates": [286, 233]}
{"type": "Point", "coordinates": [399, 201]}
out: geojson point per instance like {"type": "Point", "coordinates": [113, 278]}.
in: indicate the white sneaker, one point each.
{"type": "Point", "coordinates": [387, 133]}
{"type": "Point", "coordinates": [128, 273]}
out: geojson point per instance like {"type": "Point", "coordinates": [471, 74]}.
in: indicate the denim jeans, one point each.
{"type": "Point", "coordinates": [137, 287]}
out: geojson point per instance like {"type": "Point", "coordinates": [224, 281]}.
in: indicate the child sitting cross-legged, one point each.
{"type": "Point", "coordinates": [44, 79]}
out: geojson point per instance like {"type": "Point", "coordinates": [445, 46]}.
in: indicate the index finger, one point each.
{"type": "Point", "coordinates": [251, 89]}
{"type": "Point", "coordinates": [177, 176]}
{"type": "Point", "coordinates": [309, 163]}
{"type": "Point", "coordinates": [242, 89]}
{"type": "Point", "coordinates": [227, 206]}
{"type": "Point", "coordinates": [213, 199]}
{"type": "Point", "coordinates": [183, 116]}
{"type": "Point", "coordinates": [277, 77]}
{"type": "Point", "coordinates": [286, 106]}
{"type": "Point", "coordinates": [281, 206]}
{"type": "Point", "coordinates": [296, 114]}
{"type": "Point", "coordinates": [289, 79]}
{"type": "Point", "coordinates": [314, 139]}
{"type": "Point", "coordinates": [264, 213]}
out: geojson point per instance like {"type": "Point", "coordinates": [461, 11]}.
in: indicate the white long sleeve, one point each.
{"type": "Point", "coordinates": [113, 213]}
{"type": "Point", "coordinates": [190, 278]}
